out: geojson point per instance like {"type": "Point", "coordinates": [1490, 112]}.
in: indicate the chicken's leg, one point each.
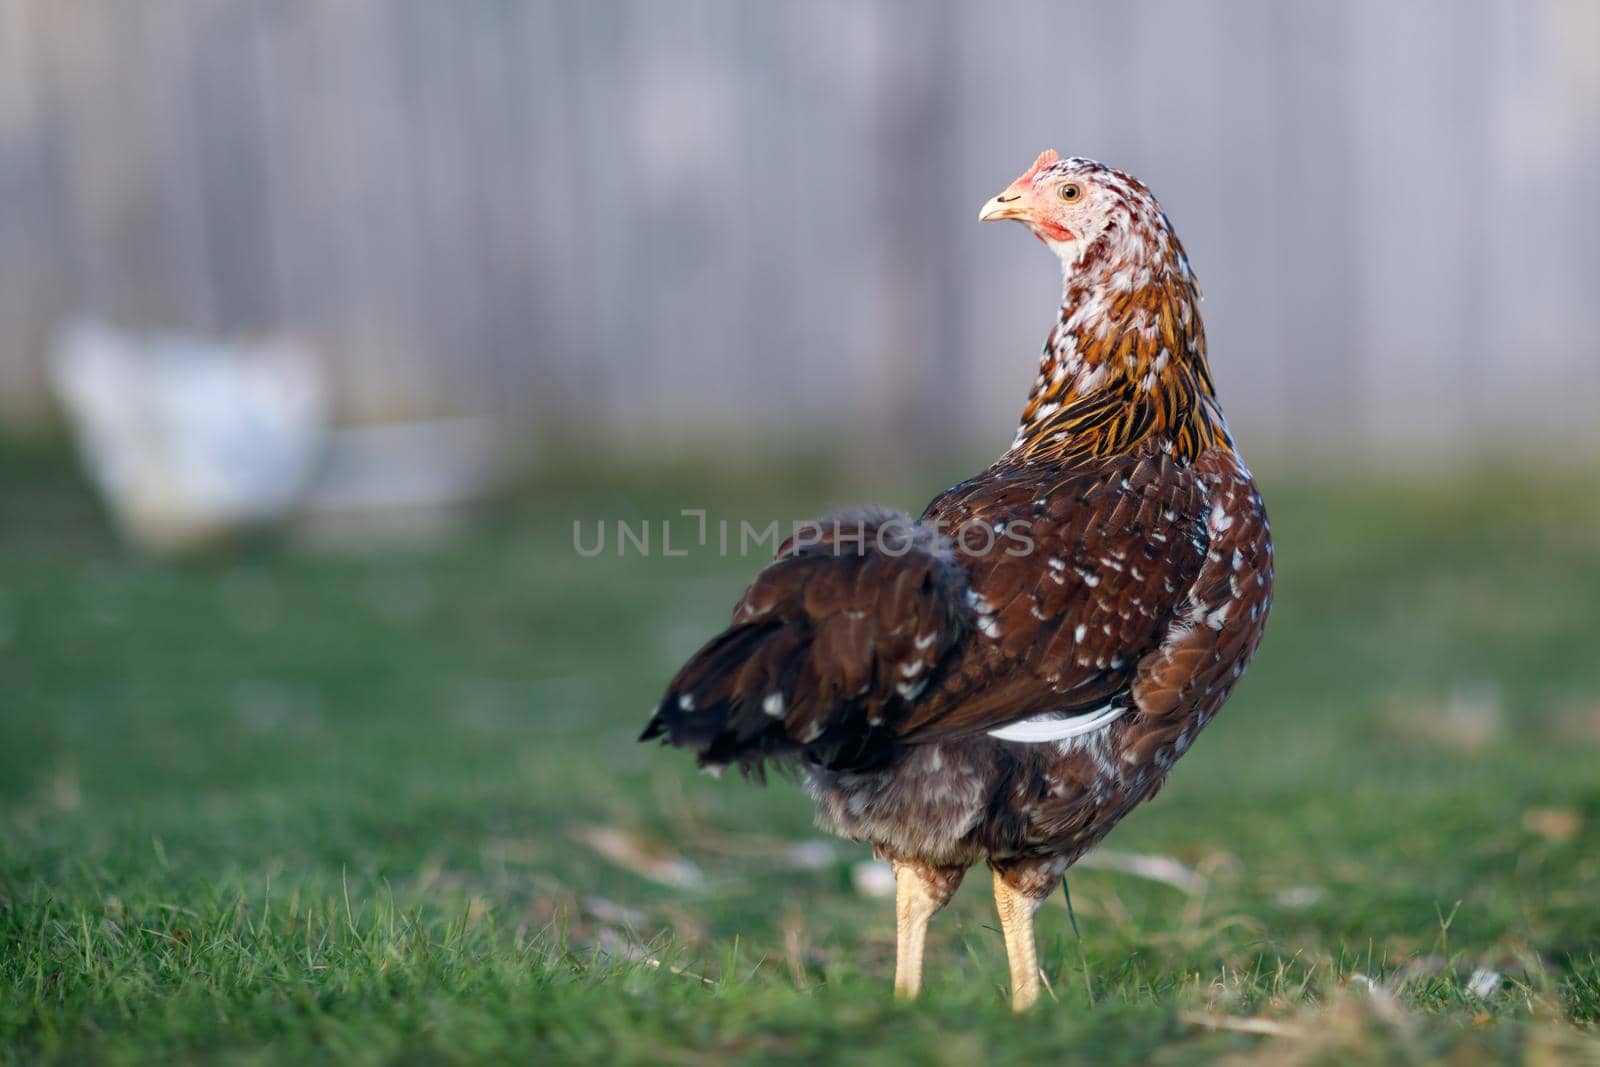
{"type": "Point", "coordinates": [1016, 909]}
{"type": "Point", "coordinates": [920, 891]}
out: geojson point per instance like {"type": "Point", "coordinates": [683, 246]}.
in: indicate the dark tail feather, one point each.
{"type": "Point", "coordinates": [829, 646]}
{"type": "Point", "coordinates": [729, 703]}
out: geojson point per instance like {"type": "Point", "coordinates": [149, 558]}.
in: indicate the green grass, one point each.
{"type": "Point", "coordinates": [279, 806]}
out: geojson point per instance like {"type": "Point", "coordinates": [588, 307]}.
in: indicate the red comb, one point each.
{"type": "Point", "coordinates": [1047, 157]}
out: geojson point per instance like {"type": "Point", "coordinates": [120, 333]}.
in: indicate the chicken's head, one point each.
{"type": "Point", "coordinates": [1127, 357]}
{"type": "Point", "coordinates": [1070, 203]}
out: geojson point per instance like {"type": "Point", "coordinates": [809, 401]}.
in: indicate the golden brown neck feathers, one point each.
{"type": "Point", "coordinates": [1126, 362]}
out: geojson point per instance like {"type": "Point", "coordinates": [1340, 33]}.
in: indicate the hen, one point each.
{"type": "Point", "coordinates": [1004, 678]}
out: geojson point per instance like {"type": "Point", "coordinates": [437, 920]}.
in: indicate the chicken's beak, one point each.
{"type": "Point", "coordinates": [1008, 205]}
{"type": "Point", "coordinates": [1013, 203]}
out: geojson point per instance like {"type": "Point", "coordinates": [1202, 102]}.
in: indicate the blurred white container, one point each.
{"type": "Point", "coordinates": [190, 439]}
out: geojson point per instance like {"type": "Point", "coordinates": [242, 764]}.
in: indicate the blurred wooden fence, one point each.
{"type": "Point", "coordinates": [665, 221]}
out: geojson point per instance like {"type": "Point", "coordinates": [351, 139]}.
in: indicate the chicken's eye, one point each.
{"type": "Point", "coordinates": [1069, 192]}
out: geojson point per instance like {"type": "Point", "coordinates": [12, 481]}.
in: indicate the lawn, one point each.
{"type": "Point", "coordinates": [282, 805]}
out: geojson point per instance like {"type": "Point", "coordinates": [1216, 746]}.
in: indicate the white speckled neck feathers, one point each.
{"type": "Point", "coordinates": [1126, 359]}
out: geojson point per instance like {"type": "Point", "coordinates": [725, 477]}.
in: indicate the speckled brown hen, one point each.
{"type": "Point", "coordinates": [1003, 679]}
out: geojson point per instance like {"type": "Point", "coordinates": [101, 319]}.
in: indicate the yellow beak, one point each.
{"type": "Point", "coordinates": [1008, 205]}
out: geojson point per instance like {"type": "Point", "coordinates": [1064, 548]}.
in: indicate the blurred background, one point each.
{"type": "Point", "coordinates": [321, 324]}
{"type": "Point", "coordinates": [623, 224]}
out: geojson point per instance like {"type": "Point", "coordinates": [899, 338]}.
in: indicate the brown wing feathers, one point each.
{"type": "Point", "coordinates": [1114, 548]}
